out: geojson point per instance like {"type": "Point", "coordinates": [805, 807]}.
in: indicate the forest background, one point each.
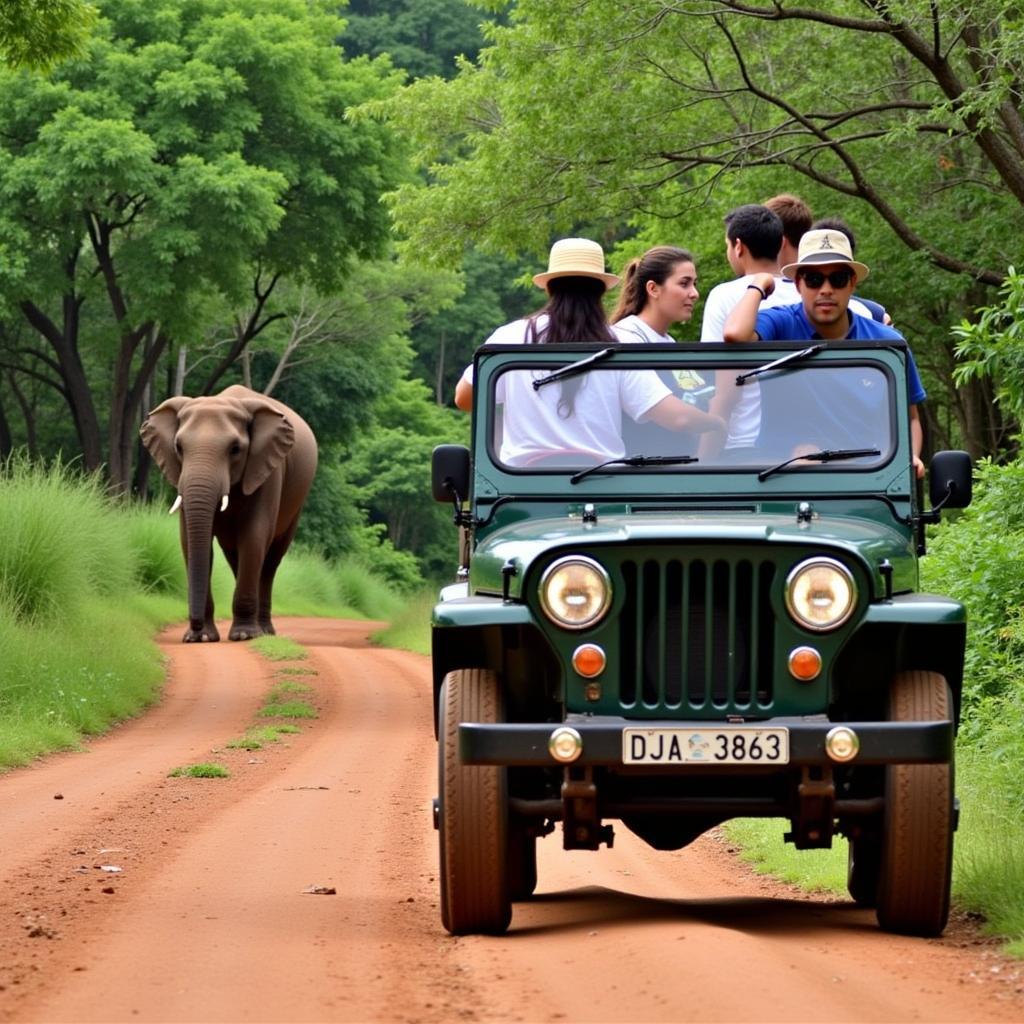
{"type": "Point", "coordinates": [337, 205]}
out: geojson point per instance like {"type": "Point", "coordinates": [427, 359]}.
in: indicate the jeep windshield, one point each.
{"type": "Point", "coordinates": [645, 411]}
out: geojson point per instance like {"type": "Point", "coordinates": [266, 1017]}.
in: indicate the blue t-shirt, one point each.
{"type": "Point", "coordinates": [790, 323]}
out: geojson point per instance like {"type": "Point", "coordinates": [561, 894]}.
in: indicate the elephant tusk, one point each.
{"type": "Point", "coordinates": [223, 503]}
{"type": "Point", "coordinates": [177, 504]}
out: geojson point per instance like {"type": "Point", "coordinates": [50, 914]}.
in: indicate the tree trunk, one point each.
{"type": "Point", "coordinates": [64, 341]}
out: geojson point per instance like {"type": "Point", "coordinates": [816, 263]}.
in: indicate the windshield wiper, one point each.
{"type": "Point", "coordinates": [572, 369]}
{"type": "Point", "coordinates": [793, 357]}
{"type": "Point", "coordinates": [636, 460]}
{"type": "Point", "coordinates": [834, 455]}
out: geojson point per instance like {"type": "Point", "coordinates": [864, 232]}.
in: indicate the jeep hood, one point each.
{"type": "Point", "coordinates": [523, 543]}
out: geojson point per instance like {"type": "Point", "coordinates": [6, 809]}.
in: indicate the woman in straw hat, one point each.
{"type": "Point", "coordinates": [581, 414]}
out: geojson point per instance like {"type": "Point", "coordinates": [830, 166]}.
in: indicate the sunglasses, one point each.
{"type": "Point", "coordinates": [837, 278]}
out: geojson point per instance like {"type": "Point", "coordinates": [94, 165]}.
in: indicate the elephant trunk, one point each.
{"type": "Point", "coordinates": [200, 500]}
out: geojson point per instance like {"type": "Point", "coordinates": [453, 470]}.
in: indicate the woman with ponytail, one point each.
{"type": "Point", "coordinates": [658, 289]}
{"type": "Point", "coordinates": [582, 414]}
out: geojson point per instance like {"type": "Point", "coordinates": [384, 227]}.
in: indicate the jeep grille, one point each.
{"type": "Point", "coordinates": [697, 635]}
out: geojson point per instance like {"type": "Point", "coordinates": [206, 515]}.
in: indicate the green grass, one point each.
{"type": "Point", "coordinates": [409, 628]}
{"type": "Point", "coordinates": [205, 770]}
{"type": "Point", "coordinates": [298, 670]}
{"type": "Point", "coordinates": [259, 736]}
{"type": "Point", "coordinates": [761, 846]}
{"type": "Point", "coordinates": [287, 709]}
{"type": "Point", "coordinates": [281, 691]}
{"type": "Point", "coordinates": [988, 867]}
{"type": "Point", "coordinates": [368, 593]}
{"type": "Point", "coordinates": [279, 648]}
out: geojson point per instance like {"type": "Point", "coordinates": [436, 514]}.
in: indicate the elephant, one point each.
{"type": "Point", "coordinates": [242, 464]}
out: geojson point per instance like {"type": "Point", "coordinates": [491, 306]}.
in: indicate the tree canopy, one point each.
{"type": "Point", "coordinates": [424, 37]}
{"type": "Point", "coordinates": [39, 33]}
{"type": "Point", "coordinates": [195, 152]}
{"type": "Point", "coordinates": [605, 112]}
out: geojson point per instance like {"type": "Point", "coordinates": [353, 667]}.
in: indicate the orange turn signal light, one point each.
{"type": "Point", "coordinates": [804, 664]}
{"type": "Point", "coordinates": [589, 660]}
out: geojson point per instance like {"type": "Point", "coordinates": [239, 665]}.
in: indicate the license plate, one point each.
{"type": "Point", "coordinates": [705, 746]}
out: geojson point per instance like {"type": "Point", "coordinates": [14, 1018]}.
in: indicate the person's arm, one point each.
{"type": "Point", "coordinates": [674, 414]}
{"type": "Point", "coordinates": [741, 323]}
{"type": "Point", "coordinates": [916, 440]}
{"type": "Point", "coordinates": [464, 395]}
{"type": "Point", "coordinates": [722, 404]}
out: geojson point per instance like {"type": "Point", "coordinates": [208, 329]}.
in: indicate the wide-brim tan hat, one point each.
{"type": "Point", "coordinates": [825, 246]}
{"type": "Point", "coordinates": [575, 257]}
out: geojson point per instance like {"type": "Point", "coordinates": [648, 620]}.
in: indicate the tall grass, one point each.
{"type": "Point", "coordinates": [409, 628]}
{"type": "Point", "coordinates": [60, 543]}
{"type": "Point", "coordinates": [75, 649]}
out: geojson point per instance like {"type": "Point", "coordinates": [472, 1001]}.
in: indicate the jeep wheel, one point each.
{"type": "Point", "coordinates": [862, 869]}
{"type": "Point", "coordinates": [473, 823]}
{"type": "Point", "coordinates": [522, 862]}
{"type": "Point", "coordinates": [917, 834]}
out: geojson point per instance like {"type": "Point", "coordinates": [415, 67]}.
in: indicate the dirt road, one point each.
{"type": "Point", "coordinates": [207, 919]}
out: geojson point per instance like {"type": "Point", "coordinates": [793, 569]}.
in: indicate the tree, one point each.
{"type": "Point", "coordinates": [446, 341]}
{"type": "Point", "coordinates": [578, 112]}
{"type": "Point", "coordinates": [390, 467]}
{"type": "Point", "coordinates": [196, 154]}
{"type": "Point", "coordinates": [424, 37]}
{"type": "Point", "coordinates": [40, 33]}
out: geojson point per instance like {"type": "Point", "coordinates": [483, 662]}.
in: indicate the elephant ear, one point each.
{"type": "Point", "coordinates": [158, 430]}
{"type": "Point", "coordinates": [271, 437]}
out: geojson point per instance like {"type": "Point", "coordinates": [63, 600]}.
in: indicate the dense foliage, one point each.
{"type": "Point", "coordinates": [38, 33]}
{"type": "Point", "coordinates": [424, 37]}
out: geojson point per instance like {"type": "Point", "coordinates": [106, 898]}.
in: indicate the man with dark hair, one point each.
{"type": "Point", "coordinates": [876, 309]}
{"type": "Point", "coordinates": [826, 274]}
{"type": "Point", "coordinates": [753, 235]}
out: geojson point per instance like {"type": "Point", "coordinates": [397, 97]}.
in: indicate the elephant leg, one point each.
{"type": "Point", "coordinates": [270, 564]}
{"type": "Point", "coordinates": [245, 623]}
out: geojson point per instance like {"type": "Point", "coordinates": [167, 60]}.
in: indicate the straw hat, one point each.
{"type": "Point", "coordinates": [825, 246]}
{"type": "Point", "coordinates": [575, 257]}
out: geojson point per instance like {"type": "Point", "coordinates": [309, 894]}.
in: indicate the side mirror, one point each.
{"type": "Point", "coordinates": [449, 473]}
{"type": "Point", "coordinates": [949, 483]}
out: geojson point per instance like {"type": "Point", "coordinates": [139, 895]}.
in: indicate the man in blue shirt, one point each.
{"type": "Point", "coordinates": [826, 275]}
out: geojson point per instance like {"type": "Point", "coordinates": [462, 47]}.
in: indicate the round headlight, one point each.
{"type": "Point", "coordinates": [575, 592]}
{"type": "Point", "coordinates": [821, 594]}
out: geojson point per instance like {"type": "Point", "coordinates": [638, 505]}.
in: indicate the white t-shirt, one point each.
{"type": "Point", "coordinates": [632, 329]}
{"type": "Point", "coordinates": [745, 419]}
{"type": "Point", "coordinates": [532, 424]}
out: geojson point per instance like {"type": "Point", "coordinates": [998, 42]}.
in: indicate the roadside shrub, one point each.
{"type": "Point", "coordinates": [369, 593]}
{"type": "Point", "coordinates": [60, 544]}
{"type": "Point", "coordinates": [976, 558]}
{"type": "Point", "coordinates": [154, 539]}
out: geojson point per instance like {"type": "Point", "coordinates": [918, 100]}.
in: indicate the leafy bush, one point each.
{"type": "Point", "coordinates": [976, 558]}
{"type": "Point", "coordinates": [993, 346]}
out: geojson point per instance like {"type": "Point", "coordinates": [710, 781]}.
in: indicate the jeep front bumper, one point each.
{"type": "Point", "coordinates": [601, 738]}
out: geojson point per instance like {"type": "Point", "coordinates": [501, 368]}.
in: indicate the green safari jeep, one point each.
{"type": "Point", "coordinates": [699, 631]}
